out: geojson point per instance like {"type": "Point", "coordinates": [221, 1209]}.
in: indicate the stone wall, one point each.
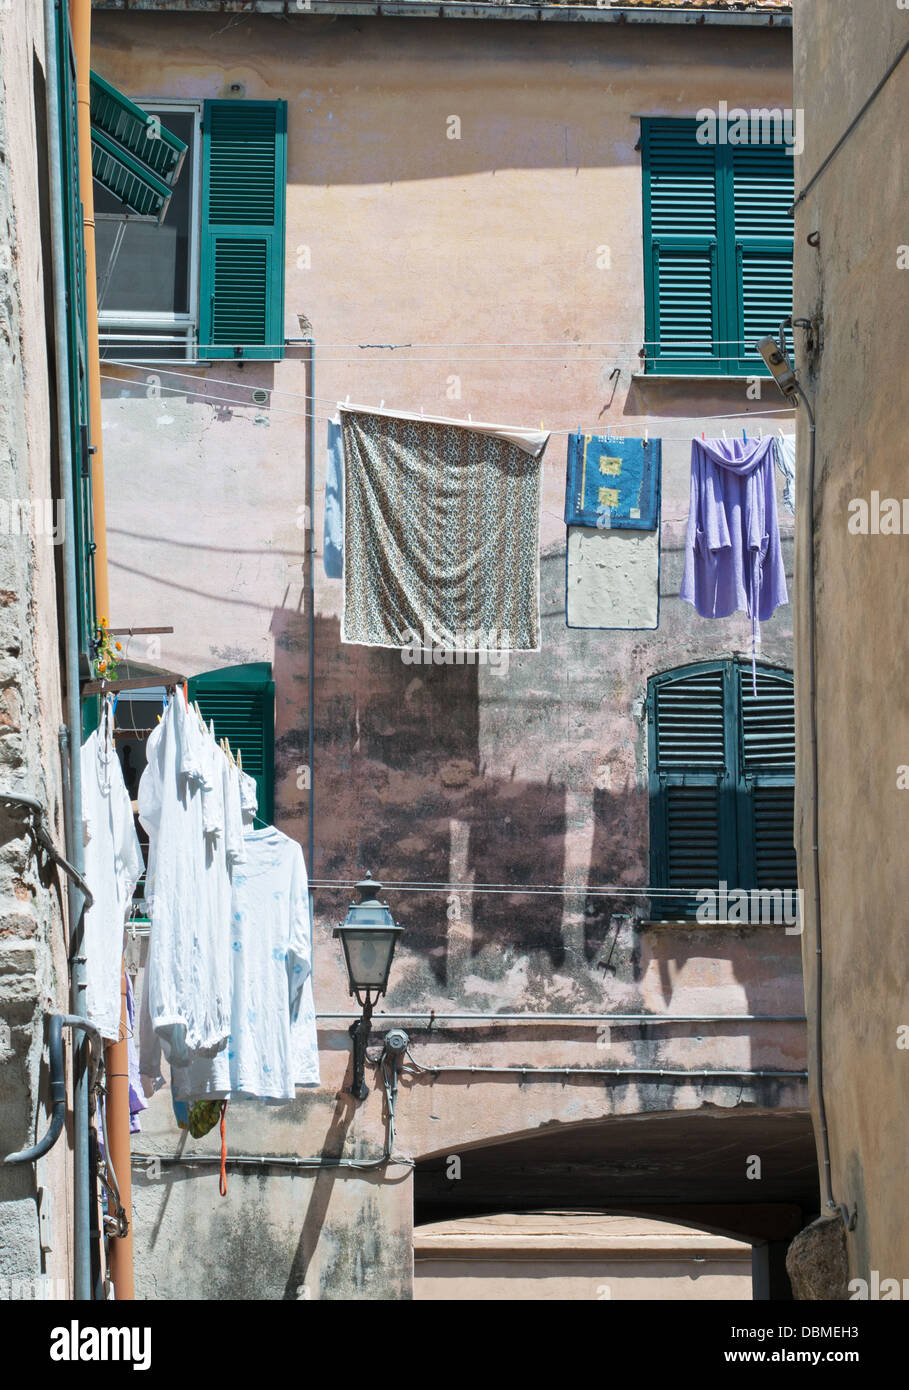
{"type": "Point", "coordinates": [33, 970]}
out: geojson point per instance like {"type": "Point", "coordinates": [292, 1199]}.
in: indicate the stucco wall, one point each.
{"type": "Point", "coordinates": [854, 283]}
{"type": "Point", "coordinates": [33, 973]}
{"type": "Point", "coordinates": [434, 773]}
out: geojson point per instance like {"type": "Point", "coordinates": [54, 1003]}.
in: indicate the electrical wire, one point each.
{"type": "Point", "coordinates": [205, 396]}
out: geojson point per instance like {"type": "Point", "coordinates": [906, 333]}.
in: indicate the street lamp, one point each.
{"type": "Point", "coordinates": [369, 936]}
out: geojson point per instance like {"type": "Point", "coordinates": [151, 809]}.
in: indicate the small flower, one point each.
{"type": "Point", "coordinates": [118, 647]}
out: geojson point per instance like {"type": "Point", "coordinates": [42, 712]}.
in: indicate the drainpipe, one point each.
{"type": "Point", "coordinates": [310, 491]}
{"type": "Point", "coordinates": [81, 21]}
{"type": "Point", "coordinates": [70, 734]}
{"type": "Point", "coordinates": [116, 1054]}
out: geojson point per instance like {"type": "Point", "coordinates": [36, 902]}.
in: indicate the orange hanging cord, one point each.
{"type": "Point", "coordinates": [222, 1180]}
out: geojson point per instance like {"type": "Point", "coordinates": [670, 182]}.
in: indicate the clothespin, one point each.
{"type": "Point", "coordinates": [347, 399]}
{"type": "Point", "coordinates": [240, 759]}
{"type": "Point", "coordinates": [542, 428]}
{"type": "Point", "coordinates": [724, 437]}
{"type": "Point", "coordinates": [469, 417]}
{"type": "Point", "coordinates": [702, 434]}
{"type": "Point", "coordinates": [645, 434]}
{"type": "Point", "coordinates": [744, 436]}
{"type": "Point", "coordinates": [760, 432]}
{"type": "Point", "coordinates": [381, 405]}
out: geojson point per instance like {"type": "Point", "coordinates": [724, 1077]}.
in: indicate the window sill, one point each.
{"type": "Point", "coordinates": [706, 377]}
{"type": "Point", "coordinates": [690, 924]}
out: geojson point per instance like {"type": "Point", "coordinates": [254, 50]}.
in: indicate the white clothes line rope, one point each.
{"type": "Point", "coordinates": [597, 890]}
{"type": "Point", "coordinates": [598, 429]}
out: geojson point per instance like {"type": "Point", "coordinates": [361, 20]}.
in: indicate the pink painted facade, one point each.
{"type": "Point", "coordinates": [505, 265]}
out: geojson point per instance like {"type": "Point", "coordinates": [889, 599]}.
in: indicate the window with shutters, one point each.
{"type": "Point", "coordinates": [240, 700]}
{"type": "Point", "coordinates": [717, 248]}
{"type": "Point", "coordinates": [722, 770]}
{"type": "Point", "coordinates": [206, 281]}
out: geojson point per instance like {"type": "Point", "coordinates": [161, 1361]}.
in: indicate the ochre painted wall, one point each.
{"type": "Point", "coordinates": [854, 284]}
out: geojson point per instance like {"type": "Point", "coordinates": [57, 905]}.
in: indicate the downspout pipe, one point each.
{"type": "Point", "coordinates": [310, 497]}
{"type": "Point", "coordinates": [70, 734]}
{"type": "Point", "coordinates": [848, 1218]}
{"type": "Point", "coordinates": [57, 1097]}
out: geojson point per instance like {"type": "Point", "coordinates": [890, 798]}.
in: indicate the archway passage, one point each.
{"type": "Point", "coordinates": [751, 1175]}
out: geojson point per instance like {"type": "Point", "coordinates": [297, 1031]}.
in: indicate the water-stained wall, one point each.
{"type": "Point", "coordinates": [464, 236]}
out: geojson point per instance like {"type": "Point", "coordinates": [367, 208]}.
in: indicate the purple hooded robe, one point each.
{"type": "Point", "coordinates": [733, 559]}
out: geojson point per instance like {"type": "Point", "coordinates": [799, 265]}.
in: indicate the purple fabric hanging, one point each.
{"type": "Point", "coordinates": [733, 558]}
{"type": "Point", "coordinates": [137, 1101]}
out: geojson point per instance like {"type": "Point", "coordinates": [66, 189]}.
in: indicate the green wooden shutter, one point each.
{"type": "Point", "coordinates": [766, 781]}
{"type": "Point", "coordinates": [722, 768]}
{"type": "Point", "coordinates": [135, 159]}
{"type": "Point", "coordinates": [244, 176]}
{"type": "Point", "coordinates": [717, 249]}
{"type": "Point", "coordinates": [681, 249]}
{"type": "Point", "coordinates": [692, 827]}
{"type": "Point", "coordinates": [241, 702]}
{"type": "Point", "coordinates": [77, 335]}
{"type": "Point", "coordinates": [761, 188]}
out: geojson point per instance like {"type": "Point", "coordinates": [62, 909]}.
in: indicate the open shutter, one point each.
{"type": "Point", "coordinates": [767, 792]}
{"type": "Point", "coordinates": [244, 174]}
{"type": "Point", "coordinates": [681, 249]}
{"type": "Point", "coordinates": [692, 831]}
{"type": "Point", "coordinates": [133, 156]}
{"type": "Point", "coordinates": [77, 335]}
{"type": "Point", "coordinates": [241, 702]}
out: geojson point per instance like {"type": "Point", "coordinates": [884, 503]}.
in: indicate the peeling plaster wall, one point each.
{"type": "Point", "coordinates": [534, 774]}
{"type": "Point", "coordinates": [33, 971]}
{"type": "Point", "coordinates": [856, 284]}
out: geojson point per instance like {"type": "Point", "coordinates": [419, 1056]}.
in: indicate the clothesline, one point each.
{"type": "Point", "coordinates": [601, 342]}
{"type": "Point", "coordinates": [590, 429]}
{"type": "Point", "coordinates": [696, 349]}
{"type": "Point", "coordinates": [600, 890]}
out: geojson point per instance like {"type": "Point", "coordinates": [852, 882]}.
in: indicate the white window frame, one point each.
{"type": "Point", "coordinates": [163, 327]}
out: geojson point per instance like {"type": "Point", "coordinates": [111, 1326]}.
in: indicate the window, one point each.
{"type": "Point", "coordinates": [717, 248]}
{"type": "Point", "coordinates": [241, 702]}
{"type": "Point", "coordinates": [722, 769]}
{"type": "Point", "coordinates": [208, 282]}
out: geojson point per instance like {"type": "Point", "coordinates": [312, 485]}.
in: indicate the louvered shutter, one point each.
{"type": "Point", "coordinates": [244, 174]}
{"type": "Point", "coordinates": [762, 192]}
{"type": "Point", "coordinates": [241, 702]}
{"type": "Point", "coordinates": [692, 831]}
{"type": "Point", "coordinates": [767, 751]}
{"type": "Point", "coordinates": [681, 249]}
{"type": "Point", "coordinates": [717, 248]}
{"type": "Point", "coordinates": [134, 158]}
{"type": "Point", "coordinates": [77, 335]}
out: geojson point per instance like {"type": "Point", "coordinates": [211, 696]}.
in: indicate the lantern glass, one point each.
{"type": "Point", "coordinates": [369, 936]}
{"type": "Point", "coordinates": [369, 956]}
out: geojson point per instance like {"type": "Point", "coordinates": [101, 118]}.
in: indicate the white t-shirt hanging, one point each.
{"type": "Point", "coordinates": [273, 1040]}
{"type": "Point", "coordinates": [188, 977]}
{"type": "Point", "coordinates": [112, 867]}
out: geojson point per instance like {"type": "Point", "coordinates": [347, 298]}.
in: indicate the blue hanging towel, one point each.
{"type": "Point", "coordinates": [613, 483]}
{"type": "Point", "coordinates": [333, 542]}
